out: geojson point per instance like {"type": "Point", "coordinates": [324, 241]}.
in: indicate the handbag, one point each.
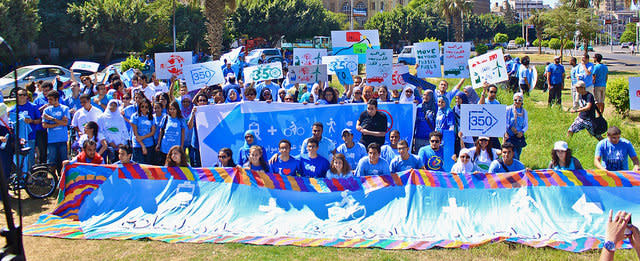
{"type": "Point", "coordinates": [599, 124]}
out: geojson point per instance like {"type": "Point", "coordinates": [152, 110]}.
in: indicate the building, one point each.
{"type": "Point", "coordinates": [612, 5]}
{"type": "Point", "coordinates": [362, 9]}
{"type": "Point", "coordinates": [481, 7]}
{"type": "Point", "coordinates": [524, 8]}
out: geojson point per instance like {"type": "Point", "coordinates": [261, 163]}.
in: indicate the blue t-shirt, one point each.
{"type": "Point", "coordinates": [574, 75]}
{"type": "Point", "coordinates": [523, 73]}
{"type": "Point", "coordinates": [388, 153]}
{"type": "Point", "coordinates": [354, 154]}
{"type": "Point", "coordinates": [128, 112]}
{"type": "Point", "coordinates": [581, 74]}
{"type": "Point", "coordinates": [556, 71]}
{"type": "Point", "coordinates": [156, 121]}
{"type": "Point", "coordinates": [614, 156]}
{"type": "Point", "coordinates": [365, 168]}
{"type": "Point", "coordinates": [40, 101]}
{"type": "Point", "coordinates": [496, 167]}
{"type": "Point", "coordinates": [194, 135]}
{"type": "Point", "coordinates": [445, 121]}
{"type": "Point", "coordinates": [272, 86]}
{"type": "Point", "coordinates": [172, 132]}
{"type": "Point", "coordinates": [144, 126]}
{"type": "Point", "coordinates": [432, 160]}
{"type": "Point", "coordinates": [398, 165]}
{"type": "Point", "coordinates": [187, 132]}
{"type": "Point", "coordinates": [331, 175]}
{"type": "Point", "coordinates": [600, 72]}
{"type": "Point", "coordinates": [104, 101]}
{"type": "Point", "coordinates": [289, 167]}
{"type": "Point", "coordinates": [325, 147]}
{"type": "Point", "coordinates": [73, 103]}
{"type": "Point", "coordinates": [60, 133]}
{"type": "Point", "coordinates": [313, 168]}
{"type": "Point", "coordinates": [33, 113]}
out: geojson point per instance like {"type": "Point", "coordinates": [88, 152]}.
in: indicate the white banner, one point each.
{"type": "Point", "coordinates": [172, 64]}
{"type": "Point", "coordinates": [261, 72]}
{"type": "Point", "coordinates": [397, 82]}
{"type": "Point", "coordinates": [428, 59]}
{"type": "Point", "coordinates": [308, 56]}
{"type": "Point", "coordinates": [483, 120]}
{"type": "Point", "coordinates": [489, 67]}
{"type": "Point", "coordinates": [349, 38]}
{"type": "Point", "coordinates": [86, 66]}
{"type": "Point", "coordinates": [455, 59]}
{"type": "Point", "coordinates": [308, 73]}
{"type": "Point", "coordinates": [201, 75]}
{"type": "Point", "coordinates": [337, 62]}
{"type": "Point", "coordinates": [634, 93]}
{"type": "Point", "coordinates": [379, 67]}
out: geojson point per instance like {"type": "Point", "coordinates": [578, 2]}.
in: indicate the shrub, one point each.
{"type": "Point", "coordinates": [132, 62]}
{"type": "Point", "coordinates": [519, 40]}
{"type": "Point", "coordinates": [618, 94]}
{"type": "Point", "coordinates": [540, 82]}
{"type": "Point", "coordinates": [545, 43]}
{"type": "Point", "coordinates": [481, 49]}
{"type": "Point", "coordinates": [569, 45]}
{"type": "Point", "coordinates": [555, 44]}
{"type": "Point", "coordinates": [500, 38]}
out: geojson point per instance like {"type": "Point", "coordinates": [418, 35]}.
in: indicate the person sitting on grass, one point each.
{"type": "Point", "coordinates": [340, 168]}
{"type": "Point", "coordinates": [372, 165]}
{"type": "Point", "coordinates": [507, 163]}
{"type": "Point", "coordinates": [611, 153]}
{"type": "Point", "coordinates": [561, 158]}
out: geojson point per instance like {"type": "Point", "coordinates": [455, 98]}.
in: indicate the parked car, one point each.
{"type": "Point", "coordinates": [407, 55]}
{"type": "Point", "coordinates": [625, 45]}
{"type": "Point", "coordinates": [28, 74]}
{"type": "Point", "coordinates": [589, 48]}
{"type": "Point", "coordinates": [512, 45]}
{"type": "Point", "coordinates": [272, 55]}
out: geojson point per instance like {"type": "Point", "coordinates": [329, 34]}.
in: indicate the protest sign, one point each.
{"type": "Point", "coordinates": [201, 75]}
{"type": "Point", "coordinates": [261, 72]}
{"type": "Point", "coordinates": [308, 56]}
{"type": "Point", "coordinates": [483, 120]}
{"type": "Point", "coordinates": [308, 73]}
{"type": "Point", "coordinates": [397, 82]}
{"type": "Point", "coordinates": [455, 59]}
{"type": "Point", "coordinates": [172, 64]}
{"type": "Point", "coordinates": [489, 67]}
{"type": "Point", "coordinates": [336, 62]}
{"type": "Point", "coordinates": [634, 93]}
{"type": "Point", "coordinates": [379, 67]}
{"type": "Point", "coordinates": [355, 42]}
{"type": "Point", "coordinates": [428, 59]}
{"type": "Point", "coordinates": [86, 66]}
{"type": "Point", "coordinates": [344, 76]}
{"type": "Point", "coordinates": [232, 56]}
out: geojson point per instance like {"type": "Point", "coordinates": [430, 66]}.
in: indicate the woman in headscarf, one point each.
{"type": "Point", "coordinates": [407, 95]}
{"type": "Point", "coordinates": [425, 120]}
{"type": "Point", "coordinates": [517, 125]}
{"type": "Point", "coordinates": [445, 119]}
{"type": "Point", "coordinates": [472, 95]}
{"type": "Point", "coordinates": [265, 95]}
{"type": "Point", "coordinates": [464, 164]}
{"type": "Point", "coordinates": [461, 141]}
{"type": "Point", "coordinates": [232, 96]}
{"type": "Point", "coordinates": [186, 110]}
{"type": "Point", "coordinates": [357, 95]}
{"type": "Point", "coordinates": [114, 129]}
{"type": "Point", "coordinates": [330, 96]}
{"type": "Point", "coordinates": [249, 140]}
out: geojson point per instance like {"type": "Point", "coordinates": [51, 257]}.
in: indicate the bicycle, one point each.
{"type": "Point", "coordinates": [39, 181]}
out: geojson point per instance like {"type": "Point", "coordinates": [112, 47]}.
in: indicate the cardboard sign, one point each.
{"type": "Point", "coordinates": [172, 64]}
{"type": "Point", "coordinates": [355, 42]}
{"type": "Point", "coordinates": [308, 73]}
{"type": "Point", "coordinates": [397, 82]}
{"type": "Point", "coordinates": [344, 76]}
{"type": "Point", "coordinates": [85, 66]}
{"type": "Point", "coordinates": [634, 93]}
{"type": "Point", "coordinates": [379, 67]}
{"type": "Point", "coordinates": [308, 56]}
{"type": "Point", "coordinates": [337, 62]}
{"type": "Point", "coordinates": [201, 75]}
{"type": "Point", "coordinates": [455, 59]}
{"type": "Point", "coordinates": [428, 59]}
{"type": "Point", "coordinates": [483, 120]}
{"type": "Point", "coordinates": [261, 72]}
{"type": "Point", "coordinates": [489, 67]}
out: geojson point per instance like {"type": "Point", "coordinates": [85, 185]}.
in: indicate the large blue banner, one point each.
{"type": "Point", "coordinates": [224, 125]}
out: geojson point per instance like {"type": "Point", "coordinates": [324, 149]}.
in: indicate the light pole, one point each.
{"type": "Point", "coordinates": [173, 2]}
{"type": "Point", "coordinates": [351, 16]}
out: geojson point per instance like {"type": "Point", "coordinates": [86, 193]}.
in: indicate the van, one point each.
{"type": "Point", "coordinates": [271, 55]}
{"type": "Point", "coordinates": [407, 55]}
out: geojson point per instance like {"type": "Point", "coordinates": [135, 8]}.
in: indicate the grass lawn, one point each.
{"type": "Point", "coordinates": [546, 125]}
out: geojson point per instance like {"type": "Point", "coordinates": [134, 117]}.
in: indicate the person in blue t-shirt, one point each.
{"type": "Point", "coordinates": [326, 147]}
{"type": "Point", "coordinates": [574, 79]}
{"type": "Point", "coordinates": [172, 130]}
{"type": "Point", "coordinates": [432, 156]}
{"type": "Point", "coordinates": [143, 129]}
{"type": "Point", "coordinates": [32, 116]}
{"type": "Point", "coordinates": [390, 151]}
{"type": "Point", "coordinates": [340, 168]}
{"type": "Point", "coordinates": [372, 165]}
{"type": "Point", "coordinates": [56, 119]}
{"type": "Point", "coordinates": [194, 153]}
{"type": "Point", "coordinates": [600, 74]}
{"type": "Point", "coordinates": [101, 99]}
{"type": "Point", "coordinates": [555, 80]}
{"type": "Point", "coordinates": [525, 76]}
{"type": "Point", "coordinates": [584, 72]}
{"type": "Point", "coordinates": [256, 159]}
{"type": "Point", "coordinates": [285, 164]}
{"type": "Point", "coordinates": [507, 163]}
{"type": "Point", "coordinates": [312, 164]}
{"type": "Point", "coordinates": [267, 84]}
{"type": "Point", "coordinates": [611, 153]}
{"type": "Point", "coordinates": [352, 151]}
{"type": "Point", "coordinates": [489, 94]}
{"type": "Point", "coordinates": [405, 160]}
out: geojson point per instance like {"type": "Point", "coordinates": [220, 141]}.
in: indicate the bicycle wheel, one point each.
{"type": "Point", "coordinates": [40, 182]}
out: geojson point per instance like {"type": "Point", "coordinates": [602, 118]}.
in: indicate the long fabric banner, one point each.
{"type": "Point", "coordinates": [223, 125]}
{"type": "Point", "coordinates": [410, 210]}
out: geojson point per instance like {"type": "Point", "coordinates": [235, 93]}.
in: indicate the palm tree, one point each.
{"type": "Point", "coordinates": [214, 11]}
{"type": "Point", "coordinates": [453, 11]}
{"type": "Point", "coordinates": [538, 20]}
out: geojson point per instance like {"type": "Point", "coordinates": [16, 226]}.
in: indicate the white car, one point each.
{"type": "Point", "coordinates": [28, 74]}
{"type": "Point", "coordinates": [271, 55]}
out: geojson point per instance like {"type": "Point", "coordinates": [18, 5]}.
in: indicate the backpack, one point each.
{"type": "Point", "coordinates": [599, 124]}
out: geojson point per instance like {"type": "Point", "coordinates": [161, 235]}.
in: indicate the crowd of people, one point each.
{"type": "Point", "coordinates": [150, 121]}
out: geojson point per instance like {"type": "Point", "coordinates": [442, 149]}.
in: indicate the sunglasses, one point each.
{"type": "Point", "coordinates": [22, 94]}
{"type": "Point", "coordinates": [492, 91]}
{"type": "Point", "coordinates": [144, 107]}
{"type": "Point", "coordinates": [202, 100]}
{"type": "Point", "coordinates": [434, 141]}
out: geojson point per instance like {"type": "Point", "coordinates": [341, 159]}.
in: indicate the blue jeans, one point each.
{"type": "Point", "coordinates": [140, 158]}
{"type": "Point", "coordinates": [194, 157]}
{"type": "Point", "coordinates": [56, 153]}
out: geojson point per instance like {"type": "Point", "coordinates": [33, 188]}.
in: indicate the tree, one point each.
{"type": "Point", "coordinates": [190, 26]}
{"type": "Point", "coordinates": [406, 25]}
{"type": "Point", "coordinates": [519, 41]}
{"type": "Point", "coordinates": [588, 25]}
{"type": "Point", "coordinates": [19, 24]}
{"type": "Point", "coordinates": [561, 24]}
{"type": "Point", "coordinates": [538, 20]}
{"type": "Point", "coordinates": [629, 34]}
{"type": "Point", "coordinates": [57, 26]}
{"type": "Point", "coordinates": [500, 38]}
{"type": "Point", "coordinates": [555, 44]}
{"type": "Point", "coordinates": [111, 24]}
{"type": "Point", "coordinates": [214, 11]}
{"type": "Point", "coordinates": [453, 12]}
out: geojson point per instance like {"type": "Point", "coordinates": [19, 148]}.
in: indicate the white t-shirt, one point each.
{"type": "Point", "coordinates": [483, 161]}
{"type": "Point", "coordinates": [82, 116]}
{"type": "Point", "coordinates": [161, 87]}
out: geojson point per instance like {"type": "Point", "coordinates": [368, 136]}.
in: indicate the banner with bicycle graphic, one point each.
{"type": "Point", "coordinates": [223, 125]}
{"type": "Point", "coordinates": [268, 71]}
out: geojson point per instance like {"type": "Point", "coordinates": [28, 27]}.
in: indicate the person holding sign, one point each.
{"type": "Point", "coordinates": [445, 119]}
{"type": "Point", "coordinates": [517, 125]}
{"type": "Point", "coordinates": [372, 124]}
{"type": "Point", "coordinates": [488, 95]}
{"type": "Point", "coordinates": [425, 120]}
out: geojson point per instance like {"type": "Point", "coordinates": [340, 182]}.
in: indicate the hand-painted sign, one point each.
{"type": "Point", "coordinates": [489, 67]}
{"type": "Point", "coordinates": [263, 72]}
{"type": "Point", "coordinates": [428, 59]}
{"type": "Point", "coordinates": [172, 64]}
{"type": "Point", "coordinates": [86, 66]}
{"type": "Point", "coordinates": [379, 67]}
{"type": "Point", "coordinates": [201, 75]}
{"type": "Point", "coordinates": [336, 62]}
{"type": "Point", "coordinates": [308, 73]}
{"type": "Point", "coordinates": [483, 120]}
{"type": "Point", "coordinates": [397, 82]}
{"type": "Point", "coordinates": [344, 76]}
{"type": "Point", "coordinates": [308, 56]}
{"type": "Point", "coordinates": [355, 42]}
{"type": "Point", "coordinates": [455, 59]}
{"type": "Point", "coordinates": [634, 93]}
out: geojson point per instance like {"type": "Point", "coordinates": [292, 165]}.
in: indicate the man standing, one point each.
{"type": "Point", "coordinates": [555, 80]}
{"type": "Point", "coordinates": [32, 116]}
{"type": "Point", "coordinates": [513, 65]}
{"type": "Point", "coordinates": [405, 160]}
{"type": "Point", "coordinates": [584, 73]}
{"type": "Point", "coordinates": [148, 92]}
{"type": "Point", "coordinates": [574, 79]}
{"type": "Point", "coordinates": [611, 153]}
{"type": "Point", "coordinates": [326, 148]}
{"type": "Point", "coordinates": [85, 114]}
{"type": "Point", "coordinates": [432, 156]}
{"type": "Point", "coordinates": [507, 163]}
{"type": "Point", "coordinates": [600, 74]}
{"type": "Point", "coordinates": [352, 151]}
{"type": "Point", "coordinates": [55, 119]}
{"type": "Point", "coordinates": [587, 108]}
{"type": "Point", "coordinates": [373, 164]}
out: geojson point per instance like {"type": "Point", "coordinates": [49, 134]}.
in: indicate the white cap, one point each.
{"type": "Point", "coordinates": [561, 145]}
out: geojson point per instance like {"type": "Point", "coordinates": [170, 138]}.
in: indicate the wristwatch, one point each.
{"type": "Point", "coordinates": [609, 245]}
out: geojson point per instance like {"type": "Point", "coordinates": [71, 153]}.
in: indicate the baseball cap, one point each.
{"type": "Point", "coordinates": [347, 130]}
{"type": "Point", "coordinates": [556, 57]}
{"type": "Point", "coordinates": [561, 145]}
{"type": "Point", "coordinates": [483, 138]}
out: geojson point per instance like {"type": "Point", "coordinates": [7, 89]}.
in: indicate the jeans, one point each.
{"type": "Point", "coordinates": [41, 142]}
{"type": "Point", "coordinates": [56, 153]}
{"type": "Point", "coordinates": [555, 94]}
{"type": "Point", "coordinates": [140, 158]}
{"type": "Point", "coordinates": [194, 157]}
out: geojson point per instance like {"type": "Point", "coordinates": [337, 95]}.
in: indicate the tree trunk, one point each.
{"type": "Point", "coordinates": [214, 12]}
{"type": "Point", "coordinates": [562, 42]}
{"type": "Point", "coordinates": [585, 46]}
{"type": "Point", "coordinates": [459, 32]}
{"type": "Point", "coordinates": [109, 53]}
{"type": "Point", "coordinates": [539, 36]}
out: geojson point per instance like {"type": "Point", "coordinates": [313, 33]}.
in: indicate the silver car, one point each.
{"type": "Point", "coordinates": [28, 74]}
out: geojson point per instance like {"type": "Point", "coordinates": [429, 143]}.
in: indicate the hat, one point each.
{"type": "Point", "coordinates": [556, 57]}
{"type": "Point", "coordinates": [483, 138]}
{"type": "Point", "coordinates": [347, 130]}
{"type": "Point", "coordinates": [580, 84]}
{"type": "Point", "coordinates": [231, 75]}
{"type": "Point", "coordinates": [561, 145]}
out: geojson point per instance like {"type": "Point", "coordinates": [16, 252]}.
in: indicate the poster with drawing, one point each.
{"type": "Point", "coordinates": [172, 64]}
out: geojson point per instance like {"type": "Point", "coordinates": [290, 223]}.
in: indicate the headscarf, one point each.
{"type": "Point", "coordinates": [186, 111]}
{"type": "Point", "coordinates": [463, 168]}
{"type": "Point", "coordinates": [431, 105]}
{"type": "Point", "coordinates": [112, 125]}
{"type": "Point", "coordinates": [305, 97]}
{"type": "Point", "coordinates": [472, 95]}
{"type": "Point", "coordinates": [237, 96]}
{"type": "Point", "coordinates": [247, 146]}
{"type": "Point", "coordinates": [404, 98]}
{"type": "Point", "coordinates": [462, 96]}
{"type": "Point", "coordinates": [446, 109]}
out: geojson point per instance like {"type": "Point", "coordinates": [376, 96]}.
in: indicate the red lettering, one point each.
{"type": "Point", "coordinates": [353, 36]}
